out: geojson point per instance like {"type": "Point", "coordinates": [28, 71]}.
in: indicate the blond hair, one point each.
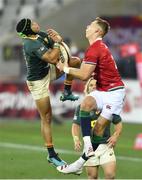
{"type": "Point", "coordinates": [86, 89]}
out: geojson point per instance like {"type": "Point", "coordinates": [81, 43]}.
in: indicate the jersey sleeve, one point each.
{"type": "Point", "coordinates": [50, 42]}
{"type": "Point", "coordinates": [116, 119]}
{"type": "Point", "coordinates": [76, 118]}
{"type": "Point", "coordinates": [40, 51]}
{"type": "Point", "coordinates": [91, 56]}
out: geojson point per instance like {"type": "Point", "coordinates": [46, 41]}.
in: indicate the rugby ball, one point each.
{"type": "Point", "coordinates": [65, 54]}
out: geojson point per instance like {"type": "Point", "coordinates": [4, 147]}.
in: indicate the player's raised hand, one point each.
{"type": "Point", "coordinates": [54, 35]}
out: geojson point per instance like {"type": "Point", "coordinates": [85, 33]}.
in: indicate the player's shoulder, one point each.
{"type": "Point", "coordinates": [103, 45]}
{"type": "Point", "coordinates": [30, 45]}
{"type": "Point", "coordinates": [44, 36]}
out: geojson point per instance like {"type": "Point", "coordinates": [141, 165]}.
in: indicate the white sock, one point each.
{"type": "Point", "coordinates": [87, 141]}
{"type": "Point", "coordinates": [80, 162]}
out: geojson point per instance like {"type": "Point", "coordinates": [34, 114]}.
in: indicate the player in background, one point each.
{"type": "Point", "coordinates": [42, 52]}
{"type": "Point", "coordinates": [110, 91]}
{"type": "Point", "coordinates": [104, 154]}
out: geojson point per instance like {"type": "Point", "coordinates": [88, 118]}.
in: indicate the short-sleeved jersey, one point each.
{"type": "Point", "coordinates": [33, 50]}
{"type": "Point", "coordinates": [94, 115]}
{"type": "Point", "coordinates": [106, 72]}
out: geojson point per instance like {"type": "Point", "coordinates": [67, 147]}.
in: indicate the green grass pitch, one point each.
{"type": "Point", "coordinates": [29, 161]}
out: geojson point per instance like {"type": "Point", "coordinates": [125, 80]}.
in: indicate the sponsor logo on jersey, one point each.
{"type": "Point", "coordinates": [42, 48]}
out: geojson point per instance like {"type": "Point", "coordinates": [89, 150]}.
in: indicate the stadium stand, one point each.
{"type": "Point", "coordinates": [60, 14]}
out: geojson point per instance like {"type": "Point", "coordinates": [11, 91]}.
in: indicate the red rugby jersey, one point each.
{"type": "Point", "coordinates": [106, 72]}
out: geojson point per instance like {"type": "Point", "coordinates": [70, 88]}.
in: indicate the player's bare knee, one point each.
{"type": "Point", "coordinates": [110, 176]}
{"type": "Point", "coordinates": [92, 177]}
{"type": "Point", "coordinates": [88, 104]}
{"type": "Point", "coordinates": [46, 117]}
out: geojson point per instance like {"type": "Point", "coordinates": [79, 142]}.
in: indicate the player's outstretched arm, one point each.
{"type": "Point", "coordinates": [114, 138]}
{"type": "Point", "coordinates": [52, 56]}
{"type": "Point", "coordinates": [76, 136]}
{"type": "Point", "coordinates": [84, 73]}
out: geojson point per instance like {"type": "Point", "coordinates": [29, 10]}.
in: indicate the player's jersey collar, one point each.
{"type": "Point", "coordinates": [32, 38]}
{"type": "Point", "coordinates": [98, 39]}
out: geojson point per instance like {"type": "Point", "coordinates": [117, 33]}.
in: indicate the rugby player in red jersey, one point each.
{"type": "Point", "coordinates": [110, 91]}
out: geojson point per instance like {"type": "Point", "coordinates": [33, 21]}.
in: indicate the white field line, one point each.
{"type": "Point", "coordinates": [62, 151]}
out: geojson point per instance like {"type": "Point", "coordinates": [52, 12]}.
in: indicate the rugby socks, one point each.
{"type": "Point", "coordinates": [84, 157]}
{"type": "Point", "coordinates": [80, 162]}
{"type": "Point", "coordinates": [51, 151]}
{"type": "Point", "coordinates": [67, 87]}
{"type": "Point", "coordinates": [86, 132]}
{"type": "Point", "coordinates": [85, 123]}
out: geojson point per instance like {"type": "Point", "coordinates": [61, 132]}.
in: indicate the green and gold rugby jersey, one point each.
{"type": "Point", "coordinates": [33, 50]}
{"type": "Point", "coordinates": [94, 115]}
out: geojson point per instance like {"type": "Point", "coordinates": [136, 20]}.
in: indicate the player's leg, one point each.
{"type": "Point", "coordinates": [109, 170]}
{"type": "Point", "coordinates": [112, 103]}
{"type": "Point", "coordinates": [92, 172]}
{"type": "Point", "coordinates": [67, 94]}
{"type": "Point", "coordinates": [94, 101]}
{"type": "Point", "coordinates": [75, 167]}
{"type": "Point", "coordinates": [92, 167]}
{"type": "Point", "coordinates": [45, 111]}
{"type": "Point", "coordinates": [100, 126]}
{"type": "Point", "coordinates": [40, 92]}
{"type": "Point", "coordinates": [108, 161]}
{"type": "Point", "coordinates": [88, 104]}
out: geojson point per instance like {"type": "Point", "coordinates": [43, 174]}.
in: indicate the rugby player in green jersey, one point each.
{"type": "Point", "coordinates": [103, 147]}
{"type": "Point", "coordinates": [42, 52]}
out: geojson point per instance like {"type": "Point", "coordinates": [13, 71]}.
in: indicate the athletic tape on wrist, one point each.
{"type": "Point", "coordinates": [56, 45]}
{"type": "Point", "coordinates": [66, 70]}
{"type": "Point", "coordinates": [75, 138]}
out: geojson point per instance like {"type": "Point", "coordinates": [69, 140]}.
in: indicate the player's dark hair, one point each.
{"type": "Point", "coordinates": [105, 26]}
{"type": "Point", "coordinates": [24, 27]}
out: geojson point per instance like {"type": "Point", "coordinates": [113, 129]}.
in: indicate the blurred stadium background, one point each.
{"type": "Point", "coordinates": [21, 152]}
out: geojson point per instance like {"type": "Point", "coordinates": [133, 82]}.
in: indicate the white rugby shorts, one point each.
{"type": "Point", "coordinates": [103, 155]}
{"type": "Point", "coordinates": [109, 102]}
